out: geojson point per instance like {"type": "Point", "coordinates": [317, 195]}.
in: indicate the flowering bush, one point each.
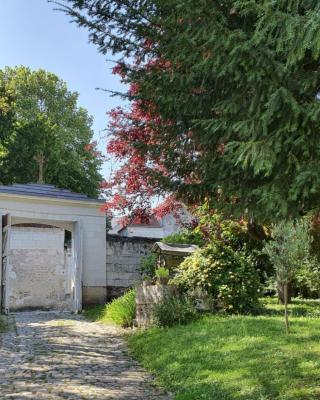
{"type": "Point", "coordinates": [226, 275]}
{"type": "Point", "coordinates": [211, 227]}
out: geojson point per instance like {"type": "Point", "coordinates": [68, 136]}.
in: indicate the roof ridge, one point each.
{"type": "Point", "coordinates": [45, 190]}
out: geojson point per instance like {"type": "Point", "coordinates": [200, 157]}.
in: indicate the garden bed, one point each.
{"type": "Point", "coordinates": [237, 357]}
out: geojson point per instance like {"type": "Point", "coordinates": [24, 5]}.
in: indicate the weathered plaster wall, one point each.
{"type": "Point", "coordinates": [143, 231]}
{"type": "Point", "coordinates": [38, 276]}
{"type": "Point", "coordinates": [123, 260]}
{"type": "Point", "coordinates": [64, 214]}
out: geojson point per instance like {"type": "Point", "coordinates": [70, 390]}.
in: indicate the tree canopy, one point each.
{"type": "Point", "coordinates": [233, 90]}
{"type": "Point", "coordinates": [45, 136]}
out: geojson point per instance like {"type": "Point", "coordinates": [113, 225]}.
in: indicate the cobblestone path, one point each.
{"type": "Point", "coordinates": [63, 356]}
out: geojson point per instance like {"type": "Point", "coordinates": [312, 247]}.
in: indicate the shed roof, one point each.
{"type": "Point", "coordinates": [44, 190]}
{"type": "Point", "coordinates": [174, 249]}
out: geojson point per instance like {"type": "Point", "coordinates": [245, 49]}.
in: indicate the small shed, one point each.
{"type": "Point", "coordinates": [171, 254]}
{"type": "Point", "coordinates": [52, 247]}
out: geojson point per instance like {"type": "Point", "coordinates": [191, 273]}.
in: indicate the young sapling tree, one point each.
{"type": "Point", "coordinates": [288, 251]}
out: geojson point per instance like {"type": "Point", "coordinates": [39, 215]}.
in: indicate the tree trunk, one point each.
{"type": "Point", "coordinates": [285, 292]}
{"type": "Point", "coordinates": [280, 288]}
{"type": "Point", "coordinates": [41, 161]}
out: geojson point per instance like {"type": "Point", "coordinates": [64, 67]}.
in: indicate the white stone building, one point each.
{"type": "Point", "coordinates": [155, 228]}
{"type": "Point", "coordinates": [52, 247]}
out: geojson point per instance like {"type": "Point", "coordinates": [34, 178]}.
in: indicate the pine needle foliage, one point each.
{"type": "Point", "coordinates": [240, 87]}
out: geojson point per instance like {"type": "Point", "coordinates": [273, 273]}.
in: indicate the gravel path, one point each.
{"type": "Point", "coordinates": [63, 356]}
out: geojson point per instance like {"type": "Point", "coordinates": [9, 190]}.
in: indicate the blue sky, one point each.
{"type": "Point", "coordinates": [33, 34]}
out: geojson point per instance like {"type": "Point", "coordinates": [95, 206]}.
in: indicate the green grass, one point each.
{"type": "Point", "coordinates": [3, 324]}
{"type": "Point", "coordinates": [97, 314]}
{"type": "Point", "coordinates": [298, 308]}
{"type": "Point", "coordinates": [237, 357]}
{"type": "Point", "coordinates": [120, 311]}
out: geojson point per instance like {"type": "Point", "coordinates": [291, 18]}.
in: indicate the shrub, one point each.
{"type": "Point", "coordinates": [186, 236]}
{"type": "Point", "coordinates": [162, 274]}
{"type": "Point", "coordinates": [214, 227]}
{"type": "Point", "coordinates": [235, 233]}
{"type": "Point", "coordinates": [148, 266]}
{"type": "Point", "coordinates": [122, 311]}
{"type": "Point", "coordinates": [226, 275]}
{"type": "Point", "coordinates": [174, 311]}
{"type": "Point", "coordinates": [307, 279]}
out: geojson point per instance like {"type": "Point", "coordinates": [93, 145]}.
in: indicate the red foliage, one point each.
{"type": "Point", "coordinates": [168, 206]}
{"type": "Point", "coordinates": [132, 188]}
{"type": "Point", "coordinates": [92, 149]}
{"type": "Point", "coordinates": [89, 147]}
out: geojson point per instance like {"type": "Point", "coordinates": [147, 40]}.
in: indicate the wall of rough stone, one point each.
{"type": "Point", "coordinates": [66, 214]}
{"type": "Point", "coordinates": [146, 298]}
{"type": "Point", "coordinates": [38, 275]}
{"type": "Point", "coordinates": [123, 260]}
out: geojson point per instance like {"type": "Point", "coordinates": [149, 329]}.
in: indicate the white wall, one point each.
{"type": "Point", "coordinates": [170, 225]}
{"type": "Point", "coordinates": [28, 238]}
{"type": "Point", "coordinates": [64, 214]}
{"type": "Point", "coordinates": [37, 276]}
{"type": "Point", "coordinates": [143, 231]}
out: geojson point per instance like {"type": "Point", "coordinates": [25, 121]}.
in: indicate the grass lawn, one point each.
{"type": "Point", "coordinates": [97, 313]}
{"type": "Point", "coordinates": [237, 357]}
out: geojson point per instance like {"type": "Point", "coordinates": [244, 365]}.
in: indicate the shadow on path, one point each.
{"type": "Point", "coordinates": [63, 356]}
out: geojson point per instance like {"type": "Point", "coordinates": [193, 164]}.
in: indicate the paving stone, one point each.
{"type": "Point", "coordinates": [55, 356]}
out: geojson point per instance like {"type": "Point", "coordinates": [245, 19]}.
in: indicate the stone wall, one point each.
{"type": "Point", "coordinates": [123, 260]}
{"type": "Point", "coordinates": [147, 297]}
{"type": "Point", "coordinates": [69, 214]}
{"type": "Point", "coordinates": [38, 276]}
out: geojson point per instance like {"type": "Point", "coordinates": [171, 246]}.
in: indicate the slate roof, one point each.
{"type": "Point", "coordinates": [43, 190]}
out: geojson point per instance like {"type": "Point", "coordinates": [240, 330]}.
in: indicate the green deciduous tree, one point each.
{"type": "Point", "coordinates": [46, 137]}
{"type": "Point", "coordinates": [237, 82]}
{"type": "Point", "coordinates": [289, 252]}
{"type": "Point", "coordinates": [6, 114]}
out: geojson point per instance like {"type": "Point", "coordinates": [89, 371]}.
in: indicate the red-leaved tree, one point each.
{"type": "Point", "coordinates": [133, 140]}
